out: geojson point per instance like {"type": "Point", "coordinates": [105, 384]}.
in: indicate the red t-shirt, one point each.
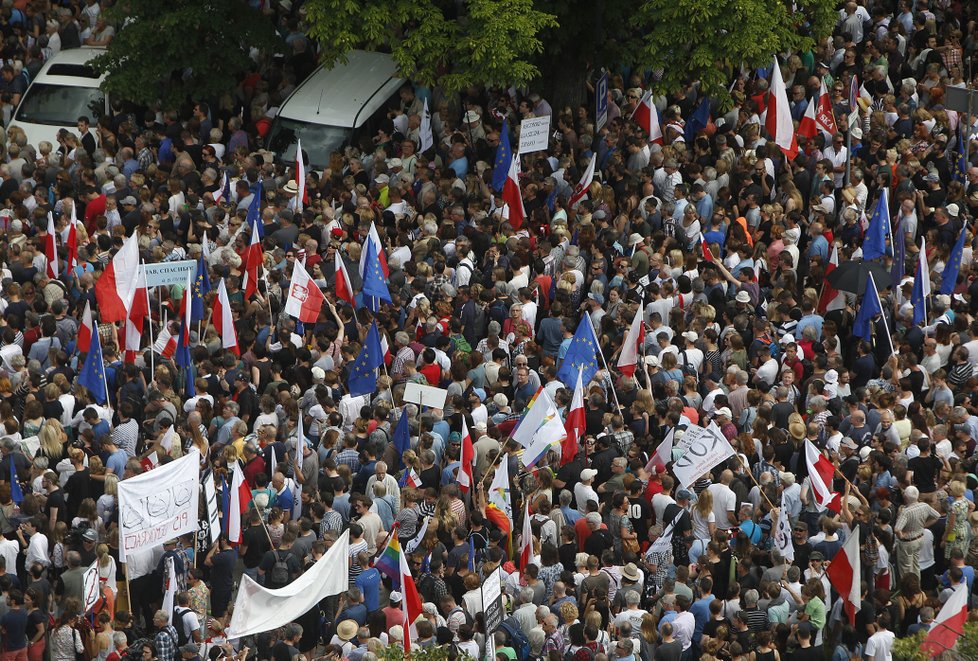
{"type": "Point", "coordinates": [432, 373]}
{"type": "Point", "coordinates": [93, 210]}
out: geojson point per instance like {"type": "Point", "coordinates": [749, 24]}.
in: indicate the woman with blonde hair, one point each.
{"type": "Point", "coordinates": [53, 441]}
{"type": "Point", "coordinates": [106, 504]}
{"type": "Point", "coordinates": [106, 576]}
{"type": "Point", "coordinates": [704, 524]}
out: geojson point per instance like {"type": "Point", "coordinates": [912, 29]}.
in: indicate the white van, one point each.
{"type": "Point", "coordinates": [65, 88]}
{"type": "Point", "coordinates": [336, 107]}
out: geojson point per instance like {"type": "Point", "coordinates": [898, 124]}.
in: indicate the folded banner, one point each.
{"type": "Point", "coordinates": [259, 609]}
{"type": "Point", "coordinates": [707, 448]}
{"type": "Point", "coordinates": [159, 505]}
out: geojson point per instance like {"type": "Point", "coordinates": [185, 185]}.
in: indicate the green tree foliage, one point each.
{"type": "Point", "coordinates": [494, 42]}
{"type": "Point", "coordinates": [707, 40]}
{"type": "Point", "coordinates": [519, 42]}
{"type": "Point", "coordinates": [181, 49]}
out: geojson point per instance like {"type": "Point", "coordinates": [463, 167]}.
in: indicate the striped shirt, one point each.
{"type": "Point", "coordinates": [912, 518]}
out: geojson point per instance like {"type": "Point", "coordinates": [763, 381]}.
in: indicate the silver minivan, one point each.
{"type": "Point", "coordinates": [335, 107]}
{"type": "Point", "coordinates": [65, 88]}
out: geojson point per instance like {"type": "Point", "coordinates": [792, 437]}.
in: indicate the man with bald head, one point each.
{"type": "Point", "coordinates": [724, 501]}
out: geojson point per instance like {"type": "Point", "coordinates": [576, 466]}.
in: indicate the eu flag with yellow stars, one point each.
{"type": "Point", "coordinates": [374, 285]}
{"type": "Point", "coordinates": [581, 355]}
{"type": "Point", "coordinates": [202, 285]}
{"type": "Point", "coordinates": [363, 372]}
{"type": "Point", "coordinates": [92, 374]}
{"type": "Point", "coordinates": [949, 279]}
{"type": "Point", "coordinates": [504, 155]}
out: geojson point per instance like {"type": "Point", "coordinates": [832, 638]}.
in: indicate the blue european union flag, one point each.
{"type": "Point", "coordinates": [16, 493]}
{"type": "Point", "coordinates": [225, 506]}
{"type": "Point", "coordinates": [374, 285]}
{"type": "Point", "coordinates": [949, 279]}
{"type": "Point", "coordinates": [917, 296]}
{"type": "Point", "coordinates": [182, 359]}
{"type": "Point", "coordinates": [92, 374]}
{"type": "Point", "coordinates": [402, 438]}
{"type": "Point", "coordinates": [869, 309]}
{"type": "Point", "coordinates": [202, 285]}
{"type": "Point", "coordinates": [582, 355]}
{"type": "Point", "coordinates": [899, 267]}
{"type": "Point", "coordinates": [874, 245]}
{"type": "Point", "coordinates": [962, 170]}
{"type": "Point", "coordinates": [254, 210]}
{"type": "Point", "coordinates": [698, 120]}
{"type": "Point", "coordinates": [363, 372]}
{"type": "Point", "coordinates": [504, 155]}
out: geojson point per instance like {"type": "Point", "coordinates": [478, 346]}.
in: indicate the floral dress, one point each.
{"type": "Point", "coordinates": [959, 537]}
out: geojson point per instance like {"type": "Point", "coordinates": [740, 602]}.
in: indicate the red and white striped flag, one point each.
{"type": "Point", "coordinates": [574, 423]}
{"type": "Point", "coordinates": [224, 321]}
{"type": "Point", "coordinates": [949, 623]}
{"type": "Point", "coordinates": [136, 319]}
{"type": "Point", "coordinates": [807, 128]}
{"type": "Point", "coordinates": [581, 189]}
{"type": "Point", "coordinates": [824, 117]}
{"type": "Point", "coordinates": [344, 288]}
{"type": "Point", "coordinates": [707, 253]}
{"type": "Point", "coordinates": [465, 477]}
{"type": "Point", "coordinates": [831, 297]}
{"type": "Point", "coordinates": [821, 472]}
{"type": "Point", "coordinates": [778, 121]}
{"type": "Point", "coordinates": [240, 498]}
{"type": "Point", "coordinates": [86, 329]}
{"type": "Point", "coordinates": [301, 198]}
{"type": "Point", "coordinates": [647, 117]}
{"type": "Point", "coordinates": [253, 259]}
{"type": "Point", "coordinates": [526, 539]}
{"type": "Point", "coordinates": [305, 299]}
{"type": "Point", "coordinates": [513, 210]}
{"type": "Point", "coordinates": [632, 345]}
{"type": "Point", "coordinates": [116, 287]}
{"type": "Point", "coordinates": [51, 248]}
{"type": "Point", "coordinates": [845, 574]}
{"type": "Point", "coordinates": [166, 342]}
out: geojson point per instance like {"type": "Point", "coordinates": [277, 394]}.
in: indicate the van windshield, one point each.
{"type": "Point", "coordinates": [318, 140]}
{"type": "Point", "coordinates": [60, 105]}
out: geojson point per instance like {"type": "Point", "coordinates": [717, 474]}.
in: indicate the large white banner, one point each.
{"type": "Point", "coordinates": [159, 505]}
{"type": "Point", "coordinates": [258, 609]}
{"type": "Point", "coordinates": [707, 447]}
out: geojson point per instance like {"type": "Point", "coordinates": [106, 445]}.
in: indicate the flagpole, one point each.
{"type": "Point", "coordinates": [886, 326]}
{"type": "Point", "coordinates": [152, 339]}
{"type": "Point", "coordinates": [597, 344]}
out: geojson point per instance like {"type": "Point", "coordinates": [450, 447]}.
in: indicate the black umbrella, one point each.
{"type": "Point", "coordinates": [852, 276]}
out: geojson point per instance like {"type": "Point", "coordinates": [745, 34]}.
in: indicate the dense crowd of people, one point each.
{"type": "Point", "coordinates": [710, 233]}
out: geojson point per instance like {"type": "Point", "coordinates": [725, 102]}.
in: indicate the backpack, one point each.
{"type": "Point", "coordinates": [468, 618]}
{"type": "Point", "coordinates": [475, 274]}
{"type": "Point", "coordinates": [182, 637]}
{"type": "Point", "coordinates": [279, 575]}
{"type": "Point", "coordinates": [516, 638]}
{"type": "Point", "coordinates": [686, 367]}
{"type": "Point", "coordinates": [770, 344]}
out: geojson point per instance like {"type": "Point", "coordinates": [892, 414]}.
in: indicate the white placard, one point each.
{"type": "Point", "coordinates": [159, 505]}
{"type": "Point", "coordinates": [707, 448]}
{"type": "Point", "coordinates": [534, 134]}
{"type": "Point", "coordinates": [433, 398]}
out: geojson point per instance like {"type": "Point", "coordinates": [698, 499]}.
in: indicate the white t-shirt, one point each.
{"type": "Point", "coordinates": [879, 647]}
{"type": "Point", "coordinates": [724, 500]}
{"type": "Point", "coordinates": [582, 494]}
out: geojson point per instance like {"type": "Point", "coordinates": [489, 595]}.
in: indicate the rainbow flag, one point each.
{"type": "Point", "coordinates": [529, 405]}
{"type": "Point", "coordinates": [389, 562]}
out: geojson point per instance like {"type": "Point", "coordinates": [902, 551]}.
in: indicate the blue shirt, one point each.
{"type": "Point", "coordinates": [701, 611]}
{"type": "Point", "coordinates": [369, 583]}
{"type": "Point", "coordinates": [806, 321]}
{"type": "Point", "coordinates": [116, 462]}
{"type": "Point", "coordinates": [448, 475]}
